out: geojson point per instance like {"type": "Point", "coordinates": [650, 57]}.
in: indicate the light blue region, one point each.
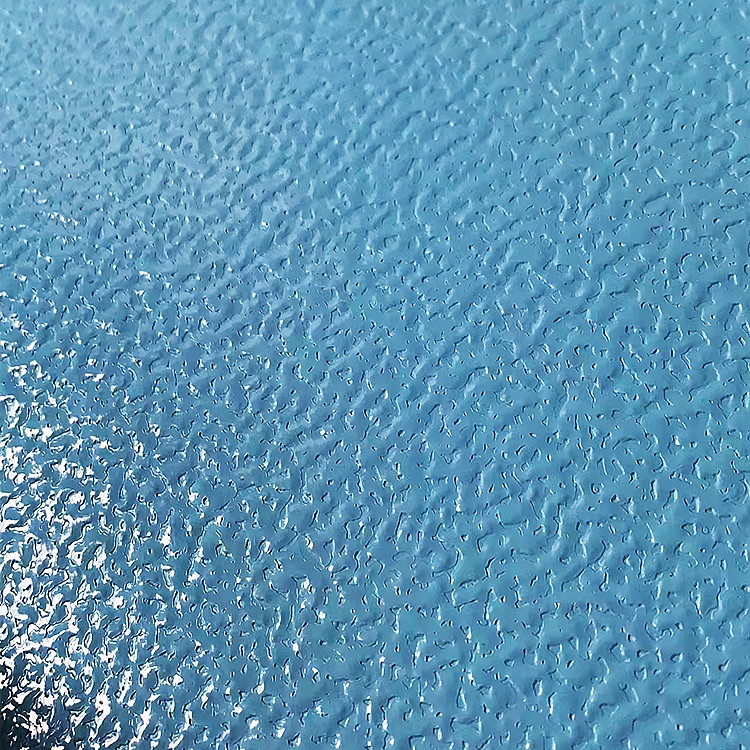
{"type": "Point", "coordinates": [374, 375]}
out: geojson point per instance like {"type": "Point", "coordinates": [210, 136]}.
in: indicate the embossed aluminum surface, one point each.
{"type": "Point", "coordinates": [374, 375]}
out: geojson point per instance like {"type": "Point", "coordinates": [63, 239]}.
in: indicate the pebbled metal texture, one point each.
{"type": "Point", "coordinates": [374, 375]}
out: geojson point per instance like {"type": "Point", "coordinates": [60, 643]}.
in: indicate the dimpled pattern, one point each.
{"type": "Point", "coordinates": [374, 374]}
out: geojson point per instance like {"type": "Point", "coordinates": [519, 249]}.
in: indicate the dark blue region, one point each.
{"type": "Point", "coordinates": [374, 375]}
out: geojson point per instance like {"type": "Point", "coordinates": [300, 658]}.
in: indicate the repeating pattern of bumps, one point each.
{"type": "Point", "coordinates": [374, 374]}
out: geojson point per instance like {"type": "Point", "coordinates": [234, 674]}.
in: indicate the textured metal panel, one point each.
{"type": "Point", "coordinates": [374, 375]}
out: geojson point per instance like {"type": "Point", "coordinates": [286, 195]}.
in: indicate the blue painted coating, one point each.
{"type": "Point", "coordinates": [374, 375]}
